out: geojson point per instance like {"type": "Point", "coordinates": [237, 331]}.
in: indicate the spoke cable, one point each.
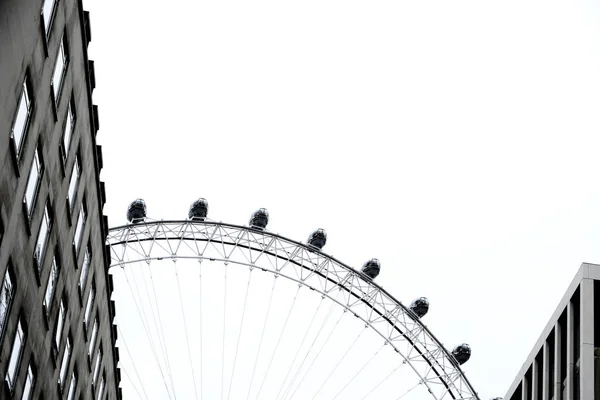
{"type": "Point", "coordinates": [300, 347]}
{"type": "Point", "coordinates": [359, 371]}
{"type": "Point", "coordinates": [383, 380]}
{"type": "Point", "coordinates": [122, 368]}
{"type": "Point", "coordinates": [148, 336]}
{"type": "Point", "coordinates": [187, 340]}
{"type": "Point", "coordinates": [237, 347]}
{"type": "Point", "coordinates": [279, 340]}
{"type": "Point", "coordinates": [121, 336]}
{"type": "Point", "coordinates": [310, 349]}
{"type": "Point", "coordinates": [262, 335]}
{"type": "Point", "coordinates": [409, 390]}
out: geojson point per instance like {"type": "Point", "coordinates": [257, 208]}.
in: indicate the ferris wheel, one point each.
{"type": "Point", "coordinates": [213, 310]}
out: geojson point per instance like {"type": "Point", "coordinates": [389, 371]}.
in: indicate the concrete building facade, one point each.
{"type": "Point", "coordinates": [564, 363]}
{"type": "Point", "coordinates": [57, 338]}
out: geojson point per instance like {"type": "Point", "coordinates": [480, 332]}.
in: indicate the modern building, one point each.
{"type": "Point", "coordinates": [57, 338]}
{"type": "Point", "coordinates": [564, 363]}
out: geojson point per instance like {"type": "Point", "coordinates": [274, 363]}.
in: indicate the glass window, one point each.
{"type": "Point", "coordinates": [72, 387]}
{"type": "Point", "coordinates": [29, 382]}
{"type": "Point", "coordinates": [42, 239]}
{"type": "Point", "coordinates": [48, 13]}
{"type": "Point", "coordinates": [85, 267]}
{"type": "Point", "coordinates": [93, 339]}
{"type": "Point", "coordinates": [6, 297]}
{"type": "Point", "coordinates": [33, 182]}
{"type": "Point", "coordinates": [21, 121]}
{"type": "Point", "coordinates": [89, 305]}
{"type": "Point", "coordinates": [97, 366]}
{"type": "Point", "coordinates": [73, 183]}
{"type": "Point", "coordinates": [60, 67]}
{"type": "Point", "coordinates": [52, 279]}
{"type": "Point", "coordinates": [68, 132]}
{"type": "Point", "coordinates": [15, 357]}
{"type": "Point", "coordinates": [60, 324]}
{"type": "Point", "coordinates": [65, 363]}
{"type": "Point", "coordinates": [101, 389]}
{"type": "Point", "coordinates": [79, 228]}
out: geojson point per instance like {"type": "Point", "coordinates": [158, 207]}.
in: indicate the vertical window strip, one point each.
{"type": "Point", "coordinates": [52, 279]}
{"type": "Point", "coordinates": [15, 357]}
{"type": "Point", "coordinates": [100, 389]}
{"type": "Point", "coordinates": [21, 119]}
{"type": "Point", "coordinates": [73, 182]}
{"type": "Point", "coordinates": [79, 229]}
{"type": "Point", "coordinates": [85, 267]}
{"type": "Point", "coordinates": [68, 132]}
{"type": "Point", "coordinates": [60, 324]}
{"type": "Point", "coordinates": [42, 239]}
{"type": "Point", "coordinates": [29, 384]}
{"type": "Point", "coordinates": [33, 182]}
{"type": "Point", "coordinates": [89, 306]}
{"type": "Point", "coordinates": [97, 367]}
{"type": "Point", "coordinates": [6, 297]}
{"type": "Point", "coordinates": [72, 386]}
{"type": "Point", "coordinates": [65, 363]}
{"type": "Point", "coordinates": [59, 70]}
{"type": "Point", "coordinates": [93, 338]}
{"type": "Point", "coordinates": [48, 13]}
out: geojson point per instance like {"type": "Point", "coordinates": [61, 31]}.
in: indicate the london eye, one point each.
{"type": "Point", "coordinates": [216, 310]}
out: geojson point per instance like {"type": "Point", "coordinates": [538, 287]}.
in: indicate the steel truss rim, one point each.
{"type": "Point", "coordinates": [426, 355]}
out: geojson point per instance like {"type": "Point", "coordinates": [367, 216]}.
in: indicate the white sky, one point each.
{"type": "Point", "coordinates": [455, 141]}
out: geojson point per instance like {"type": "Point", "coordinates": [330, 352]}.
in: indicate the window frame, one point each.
{"type": "Point", "coordinates": [72, 385]}
{"type": "Point", "coordinates": [70, 119]}
{"type": "Point", "coordinates": [85, 268]}
{"type": "Point", "coordinates": [15, 358]}
{"type": "Point", "coordinates": [29, 207]}
{"type": "Point", "coordinates": [64, 54]}
{"type": "Point", "coordinates": [47, 25]}
{"type": "Point", "coordinates": [78, 232]}
{"type": "Point", "coordinates": [89, 306]}
{"type": "Point", "coordinates": [93, 338]}
{"type": "Point", "coordinates": [97, 366]}
{"type": "Point", "coordinates": [72, 197]}
{"type": "Point", "coordinates": [8, 274]}
{"type": "Point", "coordinates": [59, 327]}
{"type": "Point", "coordinates": [30, 379]}
{"type": "Point", "coordinates": [39, 257]}
{"type": "Point", "coordinates": [64, 364]}
{"type": "Point", "coordinates": [18, 147]}
{"type": "Point", "coordinates": [47, 302]}
{"type": "Point", "coordinates": [101, 386]}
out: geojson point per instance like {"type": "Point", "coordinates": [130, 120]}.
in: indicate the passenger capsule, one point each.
{"type": "Point", "coordinates": [136, 212]}
{"type": "Point", "coordinates": [462, 353]}
{"type": "Point", "coordinates": [318, 238]}
{"type": "Point", "coordinates": [259, 219]}
{"type": "Point", "coordinates": [198, 209]}
{"type": "Point", "coordinates": [371, 268]}
{"type": "Point", "coordinates": [420, 306]}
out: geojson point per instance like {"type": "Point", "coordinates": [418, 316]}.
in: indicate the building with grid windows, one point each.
{"type": "Point", "coordinates": [57, 338]}
{"type": "Point", "coordinates": [565, 362]}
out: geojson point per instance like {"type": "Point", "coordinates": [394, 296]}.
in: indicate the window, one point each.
{"type": "Point", "coordinates": [85, 267]}
{"type": "Point", "coordinates": [72, 387]}
{"type": "Point", "coordinates": [101, 389]}
{"type": "Point", "coordinates": [15, 357]}
{"type": "Point", "coordinates": [65, 363]}
{"type": "Point", "coordinates": [93, 339]}
{"type": "Point", "coordinates": [52, 279]}
{"type": "Point", "coordinates": [48, 14]}
{"type": "Point", "coordinates": [68, 132]}
{"type": "Point", "coordinates": [73, 183]}
{"type": "Point", "coordinates": [89, 305]}
{"type": "Point", "coordinates": [33, 182]}
{"type": "Point", "coordinates": [60, 67]}
{"type": "Point", "coordinates": [60, 323]}
{"type": "Point", "coordinates": [6, 297]}
{"type": "Point", "coordinates": [97, 367]}
{"type": "Point", "coordinates": [21, 121]}
{"type": "Point", "coordinates": [29, 383]}
{"type": "Point", "coordinates": [42, 239]}
{"type": "Point", "coordinates": [79, 229]}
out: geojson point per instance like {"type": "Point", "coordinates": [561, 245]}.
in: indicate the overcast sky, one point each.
{"type": "Point", "coordinates": [457, 141]}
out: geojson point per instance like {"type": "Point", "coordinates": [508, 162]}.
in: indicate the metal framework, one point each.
{"type": "Point", "coordinates": [301, 263]}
